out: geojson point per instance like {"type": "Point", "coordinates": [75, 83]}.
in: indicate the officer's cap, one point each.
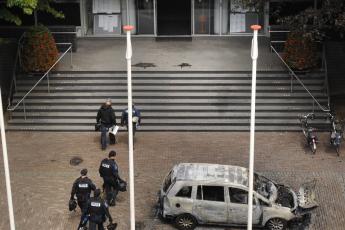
{"type": "Point", "coordinates": [83, 172]}
{"type": "Point", "coordinates": [112, 153]}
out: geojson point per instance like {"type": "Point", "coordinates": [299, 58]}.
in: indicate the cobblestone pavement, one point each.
{"type": "Point", "coordinates": [42, 176]}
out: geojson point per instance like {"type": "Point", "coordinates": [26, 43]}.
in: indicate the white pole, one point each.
{"type": "Point", "coordinates": [254, 55]}
{"type": "Point", "coordinates": [7, 169]}
{"type": "Point", "coordinates": [128, 30]}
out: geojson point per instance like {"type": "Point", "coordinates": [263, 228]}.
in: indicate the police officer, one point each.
{"type": "Point", "coordinates": [109, 171]}
{"type": "Point", "coordinates": [82, 188]}
{"type": "Point", "coordinates": [97, 211]}
{"type": "Point", "coordinates": [136, 118]}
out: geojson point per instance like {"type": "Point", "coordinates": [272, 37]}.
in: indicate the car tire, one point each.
{"type": "Point", "coordinates": [276, 224]}
{"type": "Point", "coordinates": [185, 222]}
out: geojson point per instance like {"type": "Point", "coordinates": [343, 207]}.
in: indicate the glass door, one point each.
{"type": "Point", "coordinates": [145, 16]}
{"type": "Point", "coordinates": [203, 16]}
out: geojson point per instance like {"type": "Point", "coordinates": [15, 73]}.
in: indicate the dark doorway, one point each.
{"type": "Point", "coordinates": [174, 17]}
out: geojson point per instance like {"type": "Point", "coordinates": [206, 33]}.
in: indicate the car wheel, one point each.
{"type": "Point", "coordinates": [185, 222]}
{"type": "Point", "coordinates": [276, 224]}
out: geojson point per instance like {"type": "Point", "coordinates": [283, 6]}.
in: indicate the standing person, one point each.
{"type": "Point", "coordinates": [106, 117]}
{"type": "Point", "coordinates": [96, 212]}
{"type": "Point", "coordinates": [136, 118]}
{"type": "Point", "coordinates": [109, 171]}
{"type": "Point", "coordinates": [82, 188]}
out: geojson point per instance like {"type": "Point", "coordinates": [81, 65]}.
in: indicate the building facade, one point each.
{"type": "Point", "coordinates": [169, 18]}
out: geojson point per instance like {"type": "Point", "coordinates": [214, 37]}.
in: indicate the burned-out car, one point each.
{"type": "Point", "coordinates": [194, 193]}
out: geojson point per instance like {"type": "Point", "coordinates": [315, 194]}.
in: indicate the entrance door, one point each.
{"type": "Point", "coordinates": [174, 17]}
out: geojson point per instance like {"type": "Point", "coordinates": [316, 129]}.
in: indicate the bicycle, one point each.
{"type": "Point", "coordinates": [308, 131]}
{"type": "Point", "coordinates": [337, 132]}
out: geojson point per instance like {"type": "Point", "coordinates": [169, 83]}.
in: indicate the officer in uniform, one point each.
{"type": "Point", "coordinates": [96, 212]}
{"type": "Point", "coordinates": [136, 118]}
{"type": "Point", "coordinates": [108, 170]}
{"type": "Point", "coordinates": [82, 188]}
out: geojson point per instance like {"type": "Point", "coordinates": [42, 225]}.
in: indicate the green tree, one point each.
{"type": "Point", "coordinates": [328, 19]}
{"type": "Point", "coordinates": [29, 7]}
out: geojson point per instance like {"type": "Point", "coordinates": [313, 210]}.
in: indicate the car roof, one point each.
{"type": "Point", "coordinates": [211, 173]}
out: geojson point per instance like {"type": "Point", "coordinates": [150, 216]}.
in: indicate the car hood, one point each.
{"type": "Point", "coordinates": [306, 195]}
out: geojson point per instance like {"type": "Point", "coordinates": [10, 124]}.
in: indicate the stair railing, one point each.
{"type": "Point", "coordinates": [293, 75]}
{"type": "Point", "coordinates": [13, 86]}
{"type": "Point", "coordinates": [324, 66]}
{"type": "Point", "coordinates": [46, 74]}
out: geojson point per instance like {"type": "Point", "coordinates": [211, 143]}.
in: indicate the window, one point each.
{"type": "Point", "coordinates": [198, 193]}
{"type": "Point", "coordinates": [211, 193]}
{"type": "Point", "coordinates": [238, 196]}
{"type": "Point", "coordinates": [167, 182]}
{"type": "Point", "coordinates": [185, 191]}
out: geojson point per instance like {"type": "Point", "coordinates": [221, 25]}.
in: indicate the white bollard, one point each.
{"type": "Point", "coordinates": [6, 166]}
{"type": "Point", "coordinates": [128, 30]}
{"type": "Point", "coordinates": [254, 55]}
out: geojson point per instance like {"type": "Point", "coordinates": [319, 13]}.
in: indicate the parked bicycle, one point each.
{"type": "Point", "coordinates": [337, 132]}
{"type": "Point", "coordinates": [309, 132]}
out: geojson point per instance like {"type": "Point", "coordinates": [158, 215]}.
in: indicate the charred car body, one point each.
{"type": "Point", "coordinates": [194, 193]}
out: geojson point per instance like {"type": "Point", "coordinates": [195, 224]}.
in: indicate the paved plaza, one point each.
{"type": "Point", "coordinates": [202, 54]}
{"type": "Point", "coordinates": [42, 175]}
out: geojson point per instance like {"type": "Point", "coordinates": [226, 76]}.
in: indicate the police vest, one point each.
{"type": "Point", "coordinates": [83, 187]}
{"type": "Point", "coordinates": [96, 207]}
{"type": "Point", "coordinates": [107, 167]}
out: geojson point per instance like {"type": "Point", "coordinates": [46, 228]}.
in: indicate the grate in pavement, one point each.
{"type": "Point", "coordinates": [75, 161]}
{"type": "Point", "coordinates": [139, 225]}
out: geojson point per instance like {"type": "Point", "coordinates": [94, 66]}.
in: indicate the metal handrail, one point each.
{"type": "Point", "coordinates": [14, 79]}
{"type": "Point", "coordinates": [11, 109]}
{"type": "Point", "coordinates": [292, 74]}
{"type": "Point", "coordinates": [326, 85]}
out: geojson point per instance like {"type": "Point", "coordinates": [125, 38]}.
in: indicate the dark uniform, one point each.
{"type": "Point", "coordinates": [82, 188]}
{"type": "Point", "coordinates": [97, 212]}
{"type": "Point", "coordinates": [135, 113]}
{"type": "Point", "coordinates": [108, 170]}
{"type": "Point", "coordinates": [106, 116]}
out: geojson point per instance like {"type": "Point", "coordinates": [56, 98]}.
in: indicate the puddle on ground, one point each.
{"type": "Point", "coordinates": [144, 65]}
{"type": "Point", "coordinates": [139, 225]}
{"type": "Point", "coordinates": [183, 64]}
{"type": "Point", "coordinates": [75, 161]}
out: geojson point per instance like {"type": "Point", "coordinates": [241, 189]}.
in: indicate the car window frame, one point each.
{"type": "Point", "coordinates": [183, 197]}
{"type": "Point", "coordinates": [255, 198]}
{"type": "Point", "coordinates": [202, 193]}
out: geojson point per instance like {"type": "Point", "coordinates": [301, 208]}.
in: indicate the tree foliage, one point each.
{"type": "Point", "coordinates": [39, 50]}
{"type": "Point", "coordinates": [28, 7]}
{"type": "Point", "coordinates": [299, 51]}
{"type": "Point", "coordinates": [327, 19]}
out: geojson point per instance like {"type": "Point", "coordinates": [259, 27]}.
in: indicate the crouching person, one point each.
{"type": "Point", "coordinates": [136, 118]}
{"type": "Point", "coordinates": [96, 213]}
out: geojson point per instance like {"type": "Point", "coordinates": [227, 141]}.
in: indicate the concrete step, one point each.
{"type": "Point", "coordinates": [172, 101]}
{"type": "Point", "coordinates": [168, 88]}
{"type": "Point", "coordinates": [174, 108]}
{"type": "Point", "coordinates": [209, 81]}
{"type": "Point", "coordinates": [172, 121]}
{"type": "Point", "coordinates": [156, 75]}
{"type": "Point", "coordinates": [167, 114]}
{"type": "Point", "coordinates": [189, 128]}
{"type": "Point", "coordinates": [136, 95]}
{"type": "Point", "coordinates": [193, 101]}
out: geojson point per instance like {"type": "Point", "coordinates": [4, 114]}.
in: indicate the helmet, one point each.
{"type": "Point", "coordinates": [72, 205]}
{"type": "Point", "coordinates": [112, 226]}
{"type": "Point", "coordinates": [122, 186]}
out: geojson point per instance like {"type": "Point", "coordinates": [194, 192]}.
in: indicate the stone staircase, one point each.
{"type": "Point", "coordinates": [184, 101]}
